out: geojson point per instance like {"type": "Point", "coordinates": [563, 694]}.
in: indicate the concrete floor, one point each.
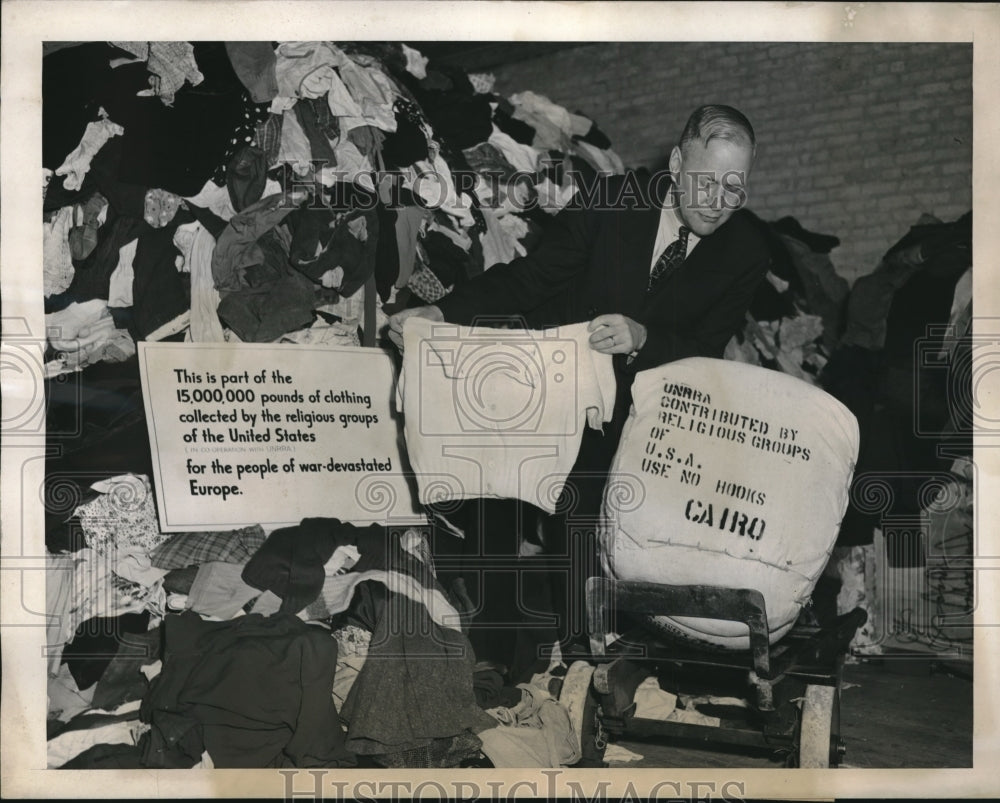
{"type": "Point", "coordinates": [894, 714]}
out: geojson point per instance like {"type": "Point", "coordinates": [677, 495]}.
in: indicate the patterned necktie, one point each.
{"type": "Point", "coordinates": [671, 258]}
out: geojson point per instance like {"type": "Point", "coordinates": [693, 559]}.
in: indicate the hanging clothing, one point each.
{"type": "Point", "coordinates": [498, 244]}
{"type": "Point", "coordinates": [77, 163]}
{"type": "Point", "coordinates": [172, 64]}
{"type": "Point", "coordinates": [179, 147]}
{"type": "Point", "coordinates": [254, 64]}
{"type": "Point", "coordinates": [88, 218]}
{"type": "Point", "coordinates": [295, 148]}
{"type": "Point", "coordinates": [416, 63]}
{"type": "Point", "coordinates": [409, 221]}
{"type": "Point", "coordinates": [120, 283]}
{"type": "Point", "coordinates": [158, 292]}
{"type": "Point", "coordinates": [238, 246]}
{"type": "Point", "coordinates": [521, 156]}
{"type": "Point", "coordinates": [246, 176]}
{"type": "Point", "coordinates": [407, 144]}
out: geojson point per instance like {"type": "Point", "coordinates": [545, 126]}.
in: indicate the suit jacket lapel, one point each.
{"type": "Point", "coordinates": [638, 230]}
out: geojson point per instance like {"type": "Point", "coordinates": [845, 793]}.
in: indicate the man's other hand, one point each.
{"type": "Point", "coordinates": [396, 321]}
{"type": "Point", "coordinates": [616, 334]}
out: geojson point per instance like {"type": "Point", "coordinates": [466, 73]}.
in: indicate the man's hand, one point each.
{"type": "Point", "coordinates": [396, 321]}
{"type": "Point", "coordinates": [616, 334]}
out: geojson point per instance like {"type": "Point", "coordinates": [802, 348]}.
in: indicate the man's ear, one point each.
{"type": "Point", "coordinates": [675, 163]}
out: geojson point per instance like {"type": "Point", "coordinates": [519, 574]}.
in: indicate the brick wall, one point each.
{"type": "Point", "coordinates": [855, 140]}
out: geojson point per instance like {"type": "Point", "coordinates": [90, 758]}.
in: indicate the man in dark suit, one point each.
{"type": "Point", "coordinates": [661, 269]}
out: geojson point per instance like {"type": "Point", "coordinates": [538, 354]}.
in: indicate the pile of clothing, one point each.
{"type": "Point", "coordinates": [896, 349]}
{"type": "Point", "coordinates": [293, 192]}
{"type": "Point", "coordinates": [319, 645]}
{"type": "Point", "coordinates": [797, 314]}
{"type": "Point", "coordinates": [903, 367]}
{"type": "Point", "coordinates": [301, 191]}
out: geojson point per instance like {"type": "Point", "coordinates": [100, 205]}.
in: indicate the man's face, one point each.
{"type": "Point", "coordinates": [711, 180]}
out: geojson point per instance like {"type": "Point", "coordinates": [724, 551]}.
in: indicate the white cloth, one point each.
{"type": "Point", "coordinates": [537, 732]}
{"type": "Point", "coordinates": [500, 242]}
{"type": "Point", "coordinates": [216, 199]}
{"type": "Point", "coordinates": [70, 744]}
{"type": "Point", "coordinates": [499, 412]}
{"type": "Point", "coordinates": [652, 702]}
{"type": "Point", "coordinates": [432, 181]}
{"type": "Point", "coordinates": [295, 148]}
{"type": "Point", "coordinates": [135, 565]}
{"type": "Point", "coordinates": [356, 94]}
{"type": "Point", "coordinates": [351, 166]}
{"type": "Point", "coordinates": [184, 240]}
{"type": "Point", "coordinates": [521, 156]}
{"type": "Point", "coordinates": [85, 333]}
{"type": "Point", "coordinates": [120, 283]}
{"type": "Point", "coordinates": [552, 197]}
{"type": "Point", "coordinates": [205, 324]}
{"type": "Point", "coordinates": [65, 698]}
{"type": "Point", "coordinates": [76, 165]}
{"type": "Point", "coordinates": [603, 161]}
{"type": "Point", "coordinates": [416, 63]}
{"type": "Point", "coordinates": [73, 322]}
{"type": "Point", "coordinates": [551, 121]}
{"type": "Point", "coordinates": [372, 91]}
{"type": "Point", "coordinates": [83, 588]}
{"type": "Point", "coordinates": [616, 754]}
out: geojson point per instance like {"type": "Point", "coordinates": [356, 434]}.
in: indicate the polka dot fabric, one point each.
{"type": "Point", "coordinates": [245, 133]}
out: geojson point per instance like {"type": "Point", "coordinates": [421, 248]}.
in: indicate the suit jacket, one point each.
{"type": "Point", "coordinates": [594, 258]}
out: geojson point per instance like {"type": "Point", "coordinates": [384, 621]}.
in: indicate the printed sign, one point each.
{"type": "Point", "coordinates": [259, 434]}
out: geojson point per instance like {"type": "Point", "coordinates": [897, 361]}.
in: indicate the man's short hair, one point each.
{"type": "Point", "coordinates": [716, 121]}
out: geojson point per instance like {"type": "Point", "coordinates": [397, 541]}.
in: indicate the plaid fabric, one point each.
{"type": "Point", "coordinates": [194, 549]}
{"type": "Point", "coordinates": [172, 63]}
{"type": "Point", "coordinates": [267, 137]}
{"type": "Point", "coordinates": [138, 49]}
{"type": "Point", "coordinates": [427, 285]}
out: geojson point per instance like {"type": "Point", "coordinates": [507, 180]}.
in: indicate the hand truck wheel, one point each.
{"type": "Point", "coordinates": [819, 744]}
